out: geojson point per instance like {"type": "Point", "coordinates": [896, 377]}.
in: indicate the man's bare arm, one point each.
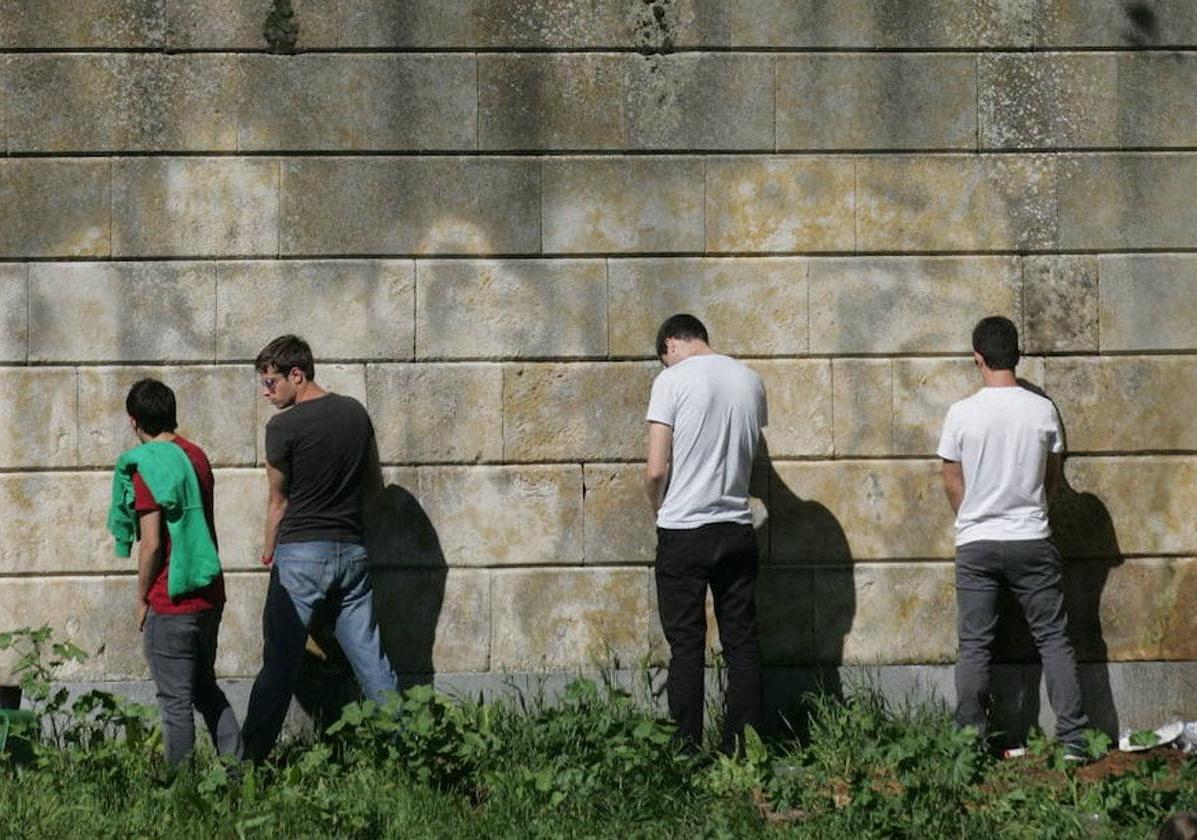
{"type": "Point", "coordinates": [953, 484]}
{"type": "Point", "coordinates": [656, 468]}
{"type": "Point", "coordinates": [1053, 476]}
{"type": "Point", "coordinates": [149, 559]}
{"type": "Point", "coordinates": [276, 506]}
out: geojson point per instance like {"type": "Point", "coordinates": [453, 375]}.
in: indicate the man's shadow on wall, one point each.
{"type": "Point", "coordinates": [806, 600]}
{"type": "Point", "coordinates": [408, 570]}
{"type": "Point", "coordinates": [1084, 532]}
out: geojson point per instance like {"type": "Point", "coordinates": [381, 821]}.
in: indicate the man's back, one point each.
{"type": "Point", "coordinates": [322, 447]}
{"type": "Point", "coordinates": [716, 407]}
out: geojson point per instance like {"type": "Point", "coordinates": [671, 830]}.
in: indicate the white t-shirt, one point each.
{"type": "Point", "coordinates": [1002, 437]}
{"type": "Point", "coordinates": [716, 407]}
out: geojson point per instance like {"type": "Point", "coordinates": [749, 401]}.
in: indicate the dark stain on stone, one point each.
{"type": "Point", "coordinates": [281, 30]}
{"type": "Point", "coordinates": [1144, 22]}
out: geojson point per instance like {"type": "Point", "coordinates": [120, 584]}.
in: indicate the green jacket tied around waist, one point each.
{"type": "Point", "coordinates": [168, 473]}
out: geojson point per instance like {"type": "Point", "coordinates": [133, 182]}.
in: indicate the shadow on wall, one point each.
{"type": "Point", "coordinates": [806, 602]}
{"type": "Point", "coordinates": [1084, 532]}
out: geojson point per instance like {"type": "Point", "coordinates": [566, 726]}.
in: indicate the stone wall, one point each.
{"type": "Point", "coordinates": [478, 211]}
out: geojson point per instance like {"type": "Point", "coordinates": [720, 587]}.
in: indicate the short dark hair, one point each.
{"type": "Point", "coordinates": [996, 339]}
{"type": "Point", "coordinates": [284, 353]}
{"type": "Point", "coordinates": [1182, 826]}
{"type": "Point", "coordinates": [681, 326]}
{"type": "Point", "coordinates": [152, 405]}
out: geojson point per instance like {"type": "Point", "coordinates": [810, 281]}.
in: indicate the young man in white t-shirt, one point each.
{"type": "Point", "coordinates": [704, 422]}
{"type": "Point", "coordinates": [1002, 450]}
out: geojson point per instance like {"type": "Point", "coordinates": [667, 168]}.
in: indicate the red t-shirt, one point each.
{"type": "Point", "coordinates": [199, 600]}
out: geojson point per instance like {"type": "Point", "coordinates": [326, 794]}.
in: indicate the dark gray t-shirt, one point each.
{"type": "Point", "coordinates": [322, 447]}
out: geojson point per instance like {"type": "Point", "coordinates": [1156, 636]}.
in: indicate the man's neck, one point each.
{"type": "Point", "coordinates": [998, 378]}
{"type": "Point", "coordinates": [309, 391]}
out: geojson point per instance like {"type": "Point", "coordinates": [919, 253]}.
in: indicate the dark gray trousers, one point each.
{"type": "Point", "coordinates": [181, 652]}
{"type": "Point", "coordinates": [1031, 568]}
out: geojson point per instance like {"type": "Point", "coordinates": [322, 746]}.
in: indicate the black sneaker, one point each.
{"type": "Point", "coordinates": [1076, 755]}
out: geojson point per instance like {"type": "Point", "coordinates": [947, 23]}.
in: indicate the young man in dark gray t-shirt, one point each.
{"type": "Point", "coordinates": [317, 455]}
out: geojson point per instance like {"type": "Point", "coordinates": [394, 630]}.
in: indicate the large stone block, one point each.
{"type": "Point", "coordinates": [215, 410]}
{"type": "Point", "coordinates": [894, 101]}
{"type": "Point", "coordinates": [1126, 404]}
{"type": "Point", "coordinates": [14, 313]}
{"type": "Point", "coordinates": [923, 391]}
{"type": "Point", "coordinates": [353, 309]}
{"type": "Point", "coordinates": [886, 613]}
{"type": "Point", "coordinates": [55, 208]}
{"type": "Point", "coordinates": [1114, 506]}
{"type": "Point", "coordinates": [1087, 100]}
{"type": "Point", "coordinates": [240, 651]}
{"type": "Point", "coordinates": [751, 306]}
{"type": "Point", "coordinates": [194, 207]}
{"type": "Point", "coordinates": [780, 204]}
{"type": "Point", "coordinates": [376, 102]}
{"type": "Point", "coordinates": [536, 308]}
{"type": "Point", "coordinates": [85, 24]}
{"type": "Point", "coordinates": [700, 101]}
{"type": "Point", "coordinates": [800, 407]}
{"type": "Point", "coordinates": [956, 203]}
{"type": "Point", "coordinates": [862, 406]}
{"type": "Point", "coordinates": [420, 205]}
{"type": "Point", "coordinates": [1148, 302]}
{"type": "Point", "coordinates": [881, 304]}
{"type": "Point", "coordinates": [550, 101]}
{"type": "Point", "coordinates": [1127, 201]}
{"type": "Point", "coordinates": [1110, 23]}
{"type": "Point", "coordinates": [619, 526]}
{"type": "Point", "coordinates": [126, 311]}
{"type": "Point", "coordinates": [121, 102]}
{"type": "Point", "coordinates": [239, 24]}
{"type": "Point", "coordinates": [434, 620]}
{"type": "Point", "coordinates": [559, 412]}
{"type": "Point", "coordinates": [843, 511]}
{"type": "Point", "coordinates": [239, 507]}
{"type": "Point", "coordinates": [506, 516]}
{"type": "Point", "coordinates": [621, 205]}
{"type": "Point", "coordinates": [346, 379]}
{"type": "Point", "coordinates": [54, 523]}
{"type": "Point", "coordinates": [565, 619]}
{"type": "Point", "coordinates": [37, 418]}
{"type": "Point", "coordinates": [436, 413]}
{"type": "Point", "coordinates": [1060, 303]}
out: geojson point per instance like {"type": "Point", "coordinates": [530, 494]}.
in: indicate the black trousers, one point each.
{"type": "Point", "coordinates": [722, 556]}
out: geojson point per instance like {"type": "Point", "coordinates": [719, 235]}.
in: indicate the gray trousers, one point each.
{"type": "Point", "coordinates": [1031, 568]}
{"type": "Point", "coordinates": [181, 652]}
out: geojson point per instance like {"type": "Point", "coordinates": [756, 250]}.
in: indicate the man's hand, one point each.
{"type": "Point", "coordinates": [266, 560]}
{"type": "Point", "coordinates": [142, 611]}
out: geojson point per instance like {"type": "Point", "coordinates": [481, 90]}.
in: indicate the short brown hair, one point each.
{"type": "Point", "coordinates": [284, 353]}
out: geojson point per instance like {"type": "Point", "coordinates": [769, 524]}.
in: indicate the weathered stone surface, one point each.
{"type": "Point", "coordinates": [862, 406]}
{"type": "Point", "coordinates": [619, 527]}
{"type": "Point", "coordinates": [923, 391]}
{"type": "Point", "coordinates": [1148, 302]}
{"type": "Point", "coordinates": [239, 24]}
{"type": "Point", "coordinates": [700, 101]}
{"type": "Point", "coordinates": [434, 412]}
{"type": "Point", "coordinates": [550, 101]}
{"type": "Point", "coordinates": [111, 24]}
{"type": "Point", "coordinates": [1060, 303]}
{"type": "Point", "coordinates": [194, 206]}
{"type": "Point", "coordinates": [752, 306]}
{"type": "Point", "coordinates": [895, 101]}
{"type": "Point", "coordinates": [575, 411]}
{"type": "Point", "coordinates": [506, 516]}
{"type": "Point", "coordinates": [54, 523]}
{"type": "Point", "coordinates": [239, 506]}
{"type": "Point", "coordinates": [346, 379]}
{"type": "Point", "coordinates": [1108, 23]}
{"type": "Point", "coordinates": [55, 208]}
{"type": "Point", "coordinates": [215, 410]}
{"type": "Point", "coordinates": [240, 651]}
{"type": "Point", "coordinates": [37, 418]}
{"type": "Point", "coordinates": [955, 203]}
{"type": "Point", "coordinates": [434, 620]}
{"type": "Point", "coordinates": [780, 204]}
{"type": "Point", "coordinates": [881, 304]}
{"type": "Point", "coordinates": [900, 613]}
{"type": "Point", "coordinates": [1087, 100]}
{"type": "Point", "coordinates": [14, 313]}
{"type": "Point", "coordinates": [376, 102]}
{"type": "Point", "coordinates": [799, 397]}
{"type": "Point", "coordinates": [621, 205]}
{"type": "Point", "coordinates": [1115, 506]}
{"type": "Point", "coordinates": [121, 102]}
{"type": "Point", "coordinates": [536, 308]}
{"type": "Point", "coordinates": [561, 619]}
{"type": "Point", "coordinates": [786, 616]}
{"type": "Point", "coordinates": [843, 511]}
{"type": "Point", "coordinates": [1125, 404]}
{"type": "Point", "coordinates": [353, 309]}
{"type": "Point", "coordinates": [100, 312]}
{"type": "Point", "coordinates": [423, 205]}
{"type": "Point", "coordinates": [1127, 200]}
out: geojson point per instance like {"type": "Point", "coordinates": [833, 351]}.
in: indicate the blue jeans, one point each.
{"type": "Point", "coordinates": [307, 576]}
